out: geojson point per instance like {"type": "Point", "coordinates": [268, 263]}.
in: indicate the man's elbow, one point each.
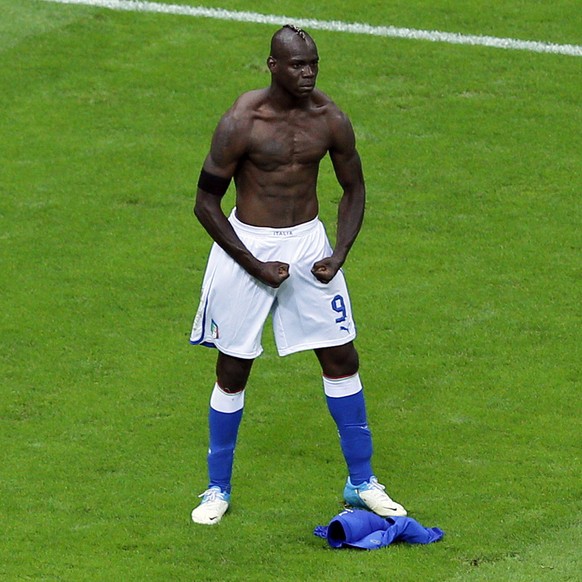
{"type": "Point", "coordinates": [199, 210]}
{"type": "Point", "coordinates": [203, 207]}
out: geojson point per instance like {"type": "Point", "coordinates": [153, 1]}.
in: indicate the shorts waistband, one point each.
{"type": "Point", "coordinates": [269, 231]}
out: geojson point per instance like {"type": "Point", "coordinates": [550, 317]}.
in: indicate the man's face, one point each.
{"type": "Point", "coordinates": [296, 66]}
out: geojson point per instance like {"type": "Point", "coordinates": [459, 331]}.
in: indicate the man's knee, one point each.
{"type": "Point", "coordinates": [339, 361]}
{"type": "Point", "coordinates": [232, 373]}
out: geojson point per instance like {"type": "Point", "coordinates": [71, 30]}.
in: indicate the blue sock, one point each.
{"type": "Point", "coordinates": [224, 419]}
{"type": "Point", "coordinates": [345, 400]}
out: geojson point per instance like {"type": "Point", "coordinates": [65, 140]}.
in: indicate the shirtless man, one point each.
{"type": "Point", "coordinates": [272, 255]}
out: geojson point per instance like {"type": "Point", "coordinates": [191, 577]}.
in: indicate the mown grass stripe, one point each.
{"type": "Point", "coordinates": [334, 25]}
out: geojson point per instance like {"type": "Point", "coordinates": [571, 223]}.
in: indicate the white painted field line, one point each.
{"type": "Point", "coordinates": [334, 25]}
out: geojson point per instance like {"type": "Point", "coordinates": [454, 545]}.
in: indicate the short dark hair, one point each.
{"type": "Point", "coordinates": [299, 31]}
{"type": "Point", "coordinates": [284, 34]}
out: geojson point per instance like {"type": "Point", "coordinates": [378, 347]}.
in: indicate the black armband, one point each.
{"type": "Point", "coordinates": [213, 184]}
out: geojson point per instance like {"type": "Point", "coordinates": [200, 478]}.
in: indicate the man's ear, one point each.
{"type": "Point", "coordinates": [271, 63]}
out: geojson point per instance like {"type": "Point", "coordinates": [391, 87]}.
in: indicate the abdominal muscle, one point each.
{"type": "Point", "coordinates": [283, 197]}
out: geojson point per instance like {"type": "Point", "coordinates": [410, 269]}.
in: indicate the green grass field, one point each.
{"type": "Point", "coordinates": [466, 285]}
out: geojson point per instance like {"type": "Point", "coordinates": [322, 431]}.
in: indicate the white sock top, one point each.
{"type": "Point", "coordinates": [340, 387]}
{"type": "Point", "coordinates": [228, 402]}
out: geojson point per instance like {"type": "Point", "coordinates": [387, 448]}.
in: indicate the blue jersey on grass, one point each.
{"type": "Point", "coordinates": [358, 528]}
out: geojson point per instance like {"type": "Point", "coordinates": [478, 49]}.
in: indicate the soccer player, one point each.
{"type": "Point", "coordinates": [272, 256]}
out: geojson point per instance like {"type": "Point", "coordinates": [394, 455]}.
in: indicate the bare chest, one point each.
{"type": "Point", "coordinates": [288, 142]}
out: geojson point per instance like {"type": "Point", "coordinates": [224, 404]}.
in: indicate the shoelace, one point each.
{"type": "Point", "coordinates": [375, 485]}
{"type": "Point", "coordinates": [212, 495]}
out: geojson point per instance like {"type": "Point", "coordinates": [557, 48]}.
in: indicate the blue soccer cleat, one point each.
{"type": "Point", "coordinates": [372, 495]}
{"type": "Point", "coordinates": [212, 507]}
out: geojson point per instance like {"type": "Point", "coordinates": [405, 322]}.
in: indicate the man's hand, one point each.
{"type": "Point", "coordinates": [326, 269]}
{"type": "Point", "coordinates": [272, 273]}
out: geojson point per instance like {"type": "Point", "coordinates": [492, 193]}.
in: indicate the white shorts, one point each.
{"type": "Point", "coordinates": [306, 314]}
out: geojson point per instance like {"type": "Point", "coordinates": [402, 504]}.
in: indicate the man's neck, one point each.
{"type": "Point", "coordinates": [283, 101]}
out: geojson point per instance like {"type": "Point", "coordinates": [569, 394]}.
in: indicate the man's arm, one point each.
{"type": "Point", "coordinates": [228, 146]}
{"type": "Point", "coordinates": [348, 170]}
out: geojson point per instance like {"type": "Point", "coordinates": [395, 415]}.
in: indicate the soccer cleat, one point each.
{"type": "Point", "coordinates": [372, 495]}
{"type": "Point", "coordinates": [212, 507]}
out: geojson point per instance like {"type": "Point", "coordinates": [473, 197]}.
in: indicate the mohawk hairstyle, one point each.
{"type": "Point", "coordinates": [299, 31]}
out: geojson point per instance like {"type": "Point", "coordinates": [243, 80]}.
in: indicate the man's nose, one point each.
{"type": "Point", "coordinates": [307, 71]}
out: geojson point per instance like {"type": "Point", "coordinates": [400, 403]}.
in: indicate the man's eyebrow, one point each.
{"type": "Point", "coordinates": [302, 60]}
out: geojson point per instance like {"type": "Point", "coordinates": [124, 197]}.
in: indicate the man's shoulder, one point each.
{"type": "Point", "coordinates": [322, 99]}
{"type": "Point", "coordinates": [336, 119]}
{"type": "Point", "coordinates": [327, 105]}
{"type": "Point", "coordinates": [249, 101]}
{"type": "Point", "coordinates": [241, 114]}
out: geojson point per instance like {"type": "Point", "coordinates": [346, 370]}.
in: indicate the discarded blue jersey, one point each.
{"type": "Point", "coordinates": [358, 528]}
